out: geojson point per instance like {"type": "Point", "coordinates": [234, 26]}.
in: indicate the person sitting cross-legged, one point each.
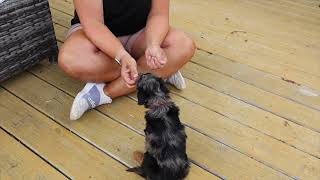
{"type": "Point", "coordinates": [110, 41]}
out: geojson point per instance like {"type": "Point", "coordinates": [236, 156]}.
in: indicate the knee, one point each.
{"type": "Point", "coordinates": [187, 46]}
{"type": "Point", "coordinates": [77, 66]}
{"type": "Point", "coordinates": [190, 47]}
{"type": "Point", "coordinates": [66, 61]}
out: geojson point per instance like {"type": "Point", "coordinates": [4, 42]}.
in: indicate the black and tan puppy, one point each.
{"type": "Point", "coordinates": [165, 157]}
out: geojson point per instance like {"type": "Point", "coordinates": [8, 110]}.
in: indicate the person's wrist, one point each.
{"type": "Point", "coordinates": [121, 55]}
{"type": "Point", "coordinates": [127, 58]}
{"type": "Point", "coordinates": [153, 44]}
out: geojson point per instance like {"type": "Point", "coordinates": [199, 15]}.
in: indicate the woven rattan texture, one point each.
{"type": "Point", "coordinates": [26, 35]}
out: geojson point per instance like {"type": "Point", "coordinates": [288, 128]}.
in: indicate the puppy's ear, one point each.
{"type": "Point", "coordinates": [163, 86]}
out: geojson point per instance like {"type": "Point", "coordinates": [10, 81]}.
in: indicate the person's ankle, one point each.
{"type": "Point", "coordinates": [107, 92]}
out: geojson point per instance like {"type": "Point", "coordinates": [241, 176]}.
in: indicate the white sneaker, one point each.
{"type": "Point", "coordinates": [177, 81]}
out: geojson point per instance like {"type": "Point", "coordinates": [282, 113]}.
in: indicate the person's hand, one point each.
{"type": "Point", "coordinates": [129, 70]}
{"type": "Point", "coordinates": [156, 57]}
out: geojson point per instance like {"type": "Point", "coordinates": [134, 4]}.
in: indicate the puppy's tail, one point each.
{"type": "Point", "coordinates": [137, 170]}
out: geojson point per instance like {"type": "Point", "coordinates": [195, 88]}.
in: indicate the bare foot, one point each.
{"type": "Point", "coordinates": [138, 156]}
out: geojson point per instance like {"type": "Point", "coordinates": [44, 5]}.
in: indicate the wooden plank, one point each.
{"type": "Point", "coordinates": [216, 126]}
{"type": "Point", "coordinates": [308, 3]}
{"type": "Point", "coordinates": [60, 32]}
{"type": "Point", "coordinates": [292, 9]}
{"type": "Point", "coordinates": [263, 121]}
{"type": "Point", "coordinates": [277, 85]}
{"type": "Point", "coordinates": [267, 101]}
{"type": "Point", "coordinates": [230, 29]}
{"type": "Point", "coordinates": [64, 6]}
{"type": "Point", "coordinates": [108, 135]}
{"type": "Point", "coordinates": [60, 17]}
{"type": "Point", "coordinates": [239, 111]}
{"type": "Point", "coordinates": [67, 152]}
{"type": "Point", "coordinates": [256, 32]}
{"type": "Point", "coordinates": [17, 162]}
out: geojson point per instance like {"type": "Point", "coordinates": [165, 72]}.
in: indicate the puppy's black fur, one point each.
{"type": "Point", "coordinates": [165, 157]}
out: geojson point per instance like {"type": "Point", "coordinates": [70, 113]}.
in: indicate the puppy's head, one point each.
{"type": "Point", "coordinates": [149, 87]}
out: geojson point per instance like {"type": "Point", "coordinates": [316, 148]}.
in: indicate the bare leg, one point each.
{"type": "Point", "coordinates": [179, 49]}
{"type": "Point", "coordinates": [80, 59]}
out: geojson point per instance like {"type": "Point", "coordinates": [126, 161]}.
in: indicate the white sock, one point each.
{"type": "Point", "coordinates": [177, 81]}
{"type": "Point", "coordinates": [91, 96]}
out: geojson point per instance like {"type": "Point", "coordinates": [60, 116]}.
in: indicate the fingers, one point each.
{"type": "Point", "coordinates": [151, 62]}
{"type": "Point", "coordinates": [133, 72]}
{"type": "Point", "coordinates": [129, 74]}
{"type": "Point", "coordinates": [125, 74]}
{"type": "Point", "coordinates": [156, 58]}
{"type": "Point", "coordinates": [163, 60]}
{"type": "Point", "coordinates": [149, 59]}
{"type": "Point", "coordinates": [155, 63]}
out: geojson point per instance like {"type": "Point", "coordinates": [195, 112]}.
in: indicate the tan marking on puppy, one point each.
{"type": "Point", "coordinates": [138, 156]}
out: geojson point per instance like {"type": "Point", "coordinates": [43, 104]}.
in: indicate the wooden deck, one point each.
{"type": "Point", "coordinates": [252, 106]}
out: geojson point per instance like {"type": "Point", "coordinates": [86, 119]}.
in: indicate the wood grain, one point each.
{"type": "Point", "coordinates": [66, 151]}
{"type": "Point", "coordinates": [18, 162]}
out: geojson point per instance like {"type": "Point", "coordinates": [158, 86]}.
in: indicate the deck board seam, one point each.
{"type": "Point", "coordinates": [248, 155]}
{"type": "Point", "coordinates": [53, 7]}
{"type": "Point", "coordinates": [249, 104]}
{"type": "Point", "coordinates": [70, 130]}
{"type": "Point", "coordinates": [254, 105]}
{"type": "Point", "coordinates": [263, 89]}
{"type": "Point", "coordinates": [33, 151]}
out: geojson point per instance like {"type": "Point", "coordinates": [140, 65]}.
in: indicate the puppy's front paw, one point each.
{"type": "Point", "coordinates": [138, 156]}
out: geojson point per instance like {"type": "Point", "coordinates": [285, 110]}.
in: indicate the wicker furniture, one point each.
{"type": "Point", "coordinates": [26, 35]}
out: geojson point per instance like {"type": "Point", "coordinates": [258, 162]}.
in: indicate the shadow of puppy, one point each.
{"type": "Point", "coordinates": [165, 157]}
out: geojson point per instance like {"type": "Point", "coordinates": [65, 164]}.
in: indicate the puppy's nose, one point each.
{"type": "Point", "coordinates": [140, 77]}
{"type": "Point", "coordinates": [143, 75]}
